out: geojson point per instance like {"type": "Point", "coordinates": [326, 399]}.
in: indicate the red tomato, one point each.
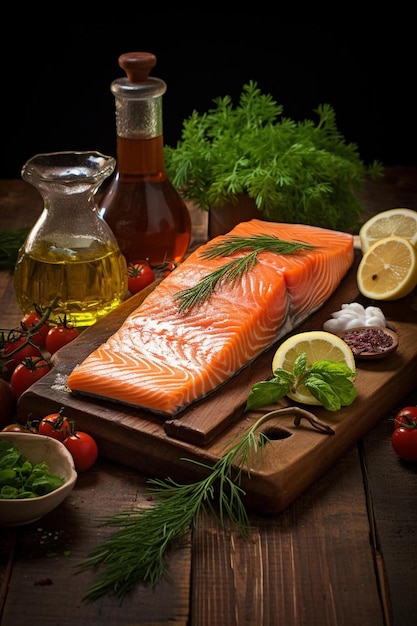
{"type": "Point", "coordinates": [168, 267]}
{"type": "Point", "coordinates": [60, 335]}
{"type": "Point", "coordinates": [32, 319]}
{"type": "Point", "coordinates": [16, 350]}
{"type": "Point", "coordinates": [407, 416]}
{"type": "Point", "coordinates": [139, 276]}
{"type": "Point", "coordinates": [15, 427]}
{"type": "Point", "coordinates": [7, 403]}
{"type": "Point", "coordinates": [55, 425]}
{"type": "Point", "coordinates": [404, 442]}
{"type": "Point", "coordinates": [27, 373]}
{"type": "Point", "coordinates": [83, 449]}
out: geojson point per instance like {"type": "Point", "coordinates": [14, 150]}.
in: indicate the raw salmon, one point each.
{"type": "Point", "coordinates": [163, 360]}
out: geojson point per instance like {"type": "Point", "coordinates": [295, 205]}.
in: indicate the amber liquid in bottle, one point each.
{"type": "Point", "coordinates": [144, 210]}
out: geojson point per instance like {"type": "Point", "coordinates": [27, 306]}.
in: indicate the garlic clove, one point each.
{"type": "Point", "coordinates": [334, 326]}
{"type": "Point", "coordinates": [374, 321]}
{"type": "Point", "coordinates": [354, 306]}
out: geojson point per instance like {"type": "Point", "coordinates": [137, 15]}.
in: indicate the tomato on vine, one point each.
{"type": "Point", "coordinates": [404, 442]}
{"type": "Point", "coordinates": [55, 425]}
{"type": "Point", "coordinates": [16, 427]}
{"type": "Point", "coordinates": [60, 335]}
{"type": "Point", "coordinates": [16, 349]}
{"type": "Point", "coordinates": [139, 276]}
{"type": "Point", "coordinates": [30, 370]}
{"type": "Point", "coordinates": [404, 436]}
{"type": "Point", "coordinates": [83, 449]}
{"type": "Point", "coordinates": [406, 415]}
{"type": "Point", "coordinates": [31, 319]}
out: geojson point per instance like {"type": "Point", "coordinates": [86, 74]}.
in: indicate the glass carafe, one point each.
{"type": "Point", "coordinates": [71, 260]}
{"type": "Point", "coordinates": [144, 210]}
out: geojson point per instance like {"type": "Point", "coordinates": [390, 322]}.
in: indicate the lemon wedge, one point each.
{"type": "Point", "coordinates": [318, 345]}
{"type": "Point", "coordinates": [400, 222]}
{"type": "Point", "coordinates": [388, 270]}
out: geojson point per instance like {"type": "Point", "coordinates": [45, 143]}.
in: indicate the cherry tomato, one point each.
{"type": "Point", "coordinates": [168, 267]}
{"type": "Point", "coordinates": [27, 373]}
{"type": "Point", "coordinates": [139, 276]}
{"type": "Point", "coordinates": [404, 442]}
{"type": "Point", "coordinates": [407, 415]}
{"type": "Point", "coordinates": [60, 335]}
{"type": "Point", "coordinates": [32, 319]}
{"type": "Point", "coordinates": [83, 449]}
{"type": "Point", "coordinates": [7, 403]}
{"type": "Point", "coordinates": [17, 427]}
{"type": "Point", "coordinates": [16, 350]}
{"type": "Point", "coordinates": [55, 425]}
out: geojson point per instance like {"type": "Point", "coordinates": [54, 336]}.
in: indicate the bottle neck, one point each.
{"type": "Point", "coordinates": [141, 157]}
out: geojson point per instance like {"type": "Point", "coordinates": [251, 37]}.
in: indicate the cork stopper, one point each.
{"type": "Point", "coordinates": [137, 65]}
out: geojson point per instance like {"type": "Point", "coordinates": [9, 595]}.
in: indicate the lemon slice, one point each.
{"type": "Point", "coordinates": [400, 222]}
{"type": "Point", "coordinates": [318, 345]}
{"type": "Point", "coordinates": [388, 270]}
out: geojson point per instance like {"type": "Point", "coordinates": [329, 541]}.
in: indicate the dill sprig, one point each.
{"type": "Point", "coordinates": [137, 551]}
{"type": "Point", "coordinates": [10, 242]}
{"type": "Point", "coordinates": [258, 243]}
{"type": "Point", "coordinates": [237, 267]}
{"type": "Point", "coordinates": [197, 294]}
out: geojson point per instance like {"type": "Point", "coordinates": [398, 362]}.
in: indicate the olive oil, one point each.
{"type": "Point", "coordinates": [87, 276]}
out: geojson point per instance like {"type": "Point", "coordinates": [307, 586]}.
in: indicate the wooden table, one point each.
{"type": "Point", "coordinates": [344, 553]}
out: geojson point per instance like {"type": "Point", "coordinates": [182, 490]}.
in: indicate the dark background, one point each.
{"type": "Point", "coordinates": [56, 71]}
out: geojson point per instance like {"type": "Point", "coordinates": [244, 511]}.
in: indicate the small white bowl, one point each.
{"type": "Point", "coordinates": [38, 449]}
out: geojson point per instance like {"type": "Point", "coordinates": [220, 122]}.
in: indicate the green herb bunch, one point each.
{"type": "Point", "coordinates": [137, 551]}
{"type": "Point", "coordinates": [297, 172]}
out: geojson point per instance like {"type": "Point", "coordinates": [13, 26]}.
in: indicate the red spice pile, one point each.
{"type": "Point", "coordinates": [368, 340]}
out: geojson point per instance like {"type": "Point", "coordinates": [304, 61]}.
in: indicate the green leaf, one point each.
{"type": "Point", "coordinates": [10, 242]}
{"type": "Point", "coordinates": [300, 365]}
{"type": "Point", "coordinates": [323, 391]}
{"type": "Point", "coordinates": [269, 391]}
{"type": "Point", "coordinates": [331, 368]}
{"type": "Point", "coordinates": [330, 382]}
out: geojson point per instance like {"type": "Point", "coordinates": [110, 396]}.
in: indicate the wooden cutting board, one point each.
{"type": "Point", "coordinates": [296, 455]}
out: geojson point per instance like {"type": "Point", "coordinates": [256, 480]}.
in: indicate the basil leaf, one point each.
{"type": "Point", "coordinates": [323, 391]}
{"type": "Point", "coordinates": [269, 391]}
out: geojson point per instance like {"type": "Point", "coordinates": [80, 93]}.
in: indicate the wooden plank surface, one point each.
{"type": "Point", "coordinates": [391, 486]}
{"type": "Point", "coordinates": [296, 567]}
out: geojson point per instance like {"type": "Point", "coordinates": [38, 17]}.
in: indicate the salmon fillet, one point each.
{"type": "Point", "coordinates": [163, 360]}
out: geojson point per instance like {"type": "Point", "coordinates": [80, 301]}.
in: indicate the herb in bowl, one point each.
{"type": "Point", "coordinates": [20, 479]}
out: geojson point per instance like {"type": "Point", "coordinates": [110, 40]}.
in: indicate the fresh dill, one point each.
{"type": "Point", "coordinates": [258, 243]}
{"type": "Point", "coordinates": [296, 171]}
{"type": "Point", "coordinates": [10, 242]}
{"type": "Point", "coordinates": [199, 293]}
{"type": "Point", "coordinates": [137, 551]}
{"type": "Point", "coordinates": [237, 267]}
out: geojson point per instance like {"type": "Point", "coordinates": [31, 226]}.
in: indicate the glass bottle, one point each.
{"type": "Point", "coordinates": [70, 260]}
{"type": "Point", "coordinates": [144, 210]}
